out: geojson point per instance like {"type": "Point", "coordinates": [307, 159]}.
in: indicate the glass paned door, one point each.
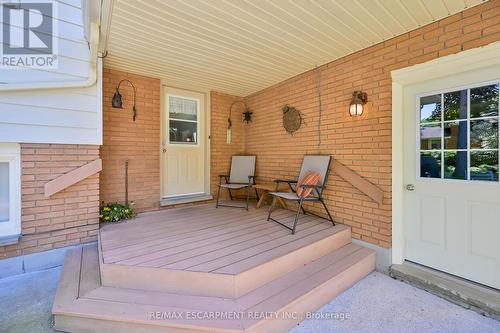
{"type": "Point", "coordinates": [184, 144]}
{"type": "Point", "coordinates": [450, 188]}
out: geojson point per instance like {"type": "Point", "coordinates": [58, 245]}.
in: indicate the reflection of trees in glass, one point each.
{"type": "Point", "coordinates": [455, 137]}
{"type": "Point", "coordinates": [455, 107]}
{"type": "Point", "coordinates": [484, 163]}
{"type": "Point", "coordinates": [484, 101]}
{"type": "Point", "coordinates": [484, 134]}
{"type": "Point", "coordinates": [430, 102]}
{"type": "Point", "coordinates": [430, 164]}
{"type": "Point", "coordinates": [451, 161]}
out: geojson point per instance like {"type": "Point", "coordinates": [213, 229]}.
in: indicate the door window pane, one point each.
{"type": "Point", "coordinates": [484, 133]}
{"type": "Point", "coordinates": [484, 165]}
{"type": "Point", "coordinates": [430, 108]}
{"type": "Point", "coordinates": [183, 120]}
{"type": "Point", "coordinates": [182, 108]}
{"type": "Point", "coordinates": [430, 136]}
{"type": "Point", "coordinates": [455, 164]}
{"type": "Point", "coordinates": [4, 192]}
{"type": "Point", "coordinates": [183, 132]}
{"type": "Point", "coordinates": [455, 105]}
{"type": "Point", "coordinates": [484, 101]}
{"type": "Point", "coordinates": [455, 135]}
{"type": "Point", "coordinates": [430, 164]}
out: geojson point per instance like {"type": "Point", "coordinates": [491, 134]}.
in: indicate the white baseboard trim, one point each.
{"type": "Point", "coordinates": [383, 259]}
{"type": "Point", "coordinates": [184, 199]}
{"type": "Point", "coordinates": [33, 262]}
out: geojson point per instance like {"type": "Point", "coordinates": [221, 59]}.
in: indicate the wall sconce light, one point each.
{"type": "Point", "coordinates": [116, 102]}
{"type": "Point", "coordinates": [247, 117]}
{"type": "Point", "coordinates": [358, 101]}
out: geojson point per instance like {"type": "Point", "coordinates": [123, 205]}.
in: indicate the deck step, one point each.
{"type": "Point", "coordinates": [82, 304]}
{"type": "Point", "coordinates": [233, 270]}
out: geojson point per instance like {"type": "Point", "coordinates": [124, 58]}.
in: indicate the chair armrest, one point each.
{"type": "Point", "coordinates": [315, 187]}
{"type": "Point", "coordinates": [289, 181]}
{"type": "Point", "coordinates": [223, 176]}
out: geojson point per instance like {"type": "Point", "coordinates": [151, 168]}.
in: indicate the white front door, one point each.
{"type": "Point", "coordinates": [451, 202]}
{"type": "Point", "coordinates": [183, 143]}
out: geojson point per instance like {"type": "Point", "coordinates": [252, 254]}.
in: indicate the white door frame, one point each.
{"type": "Point", "coordinates": [466, 61]}
{"type": "Point", "coordinates": [207, 111]}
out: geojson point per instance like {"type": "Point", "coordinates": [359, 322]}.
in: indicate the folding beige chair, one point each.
{"type": "Point", "coordinates": [241, 175]}
{"type": "Point", "coordinates": [315, 163]}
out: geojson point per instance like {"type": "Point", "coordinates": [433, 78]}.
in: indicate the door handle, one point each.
{"type": "Point", "coordinates": [410, 187]}
{"type": "Point", "coordinates": [164, 150]}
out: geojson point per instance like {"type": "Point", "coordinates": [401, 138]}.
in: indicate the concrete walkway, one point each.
{"type": "Point", "coordinates": [379, 303]}
{"type": "Point", "coordinates": [375, 304]}
{"type": "Point", "coordinates": [26, 301]}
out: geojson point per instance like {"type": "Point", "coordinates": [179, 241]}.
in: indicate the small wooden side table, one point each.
{"type": "Point", "coordinates": [264, 189]}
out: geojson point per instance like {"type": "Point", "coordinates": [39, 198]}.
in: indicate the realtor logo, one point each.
{"type": "Point", "coordinates": [28, 34]}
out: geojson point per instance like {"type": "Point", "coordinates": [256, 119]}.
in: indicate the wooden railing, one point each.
{"type": "Point", "coordinates": [371, 190]}
{"type": "Point", "coordinates": [72, 177]}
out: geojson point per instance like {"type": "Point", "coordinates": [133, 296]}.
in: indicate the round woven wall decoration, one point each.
{"type": "Point", "coordinates": [292, 119]}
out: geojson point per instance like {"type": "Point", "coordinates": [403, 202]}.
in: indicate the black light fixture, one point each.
{"type": "Point", "coordinates": [358, 101]}
{"type": "Point", "coordinates": [116, 102]}
{"type": "Point", "coordinates": [247, 116]}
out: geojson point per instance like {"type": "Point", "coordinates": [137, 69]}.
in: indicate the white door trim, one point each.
{"type": "Point", "coordinates": [470, 60]}
{"type": "Point", "coordinates": [207, 110]}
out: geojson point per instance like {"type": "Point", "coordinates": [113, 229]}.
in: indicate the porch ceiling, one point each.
{"type": "Point", "coordinates": [240, 47]}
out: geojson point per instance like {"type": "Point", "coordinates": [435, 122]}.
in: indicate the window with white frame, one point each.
{"type": "Point", "coordinates": [459, 134]}
{"type": "Point", "coordinates": [10, 190]}
{"type": "Point", "coordinates": [183, 120]}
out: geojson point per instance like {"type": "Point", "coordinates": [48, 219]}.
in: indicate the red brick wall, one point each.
{"type": "Point", "coordinates": [139, 141]}
{"type": "Point", "coordinates": [363, 144]}
{"type": "Point", "coordinates": [220, 151]}
{"type": "Point", "coordinates": [136, 141]}
{"type": "Point", "coordinates": [66, 218]}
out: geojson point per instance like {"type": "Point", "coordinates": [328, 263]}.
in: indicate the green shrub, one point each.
{"type": "Point", "coordinates": [115, 212]}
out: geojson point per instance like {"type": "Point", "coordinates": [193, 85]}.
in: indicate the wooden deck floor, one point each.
{"type": "Point", "coordinates": [205, 239]}
{"type": "Point", "coordinates": [204, 260]}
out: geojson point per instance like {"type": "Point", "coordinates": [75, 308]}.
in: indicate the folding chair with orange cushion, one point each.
{"type": "Point", "coordinates": [308, 188]}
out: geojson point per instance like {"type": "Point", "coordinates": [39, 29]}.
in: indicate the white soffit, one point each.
{"type": "Point", "coordinates": [242, 46]}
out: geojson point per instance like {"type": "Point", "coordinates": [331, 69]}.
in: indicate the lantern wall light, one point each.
{"type": "Point", "coordinates": [357, 104]}
{"type": "Point", "coordinates": [116, 102]}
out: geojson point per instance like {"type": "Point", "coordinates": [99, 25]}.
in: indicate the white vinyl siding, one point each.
{"type": "Point", "coordinates": [70, 115]}
{"type": "Point", "coordinates": [71, 47]}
